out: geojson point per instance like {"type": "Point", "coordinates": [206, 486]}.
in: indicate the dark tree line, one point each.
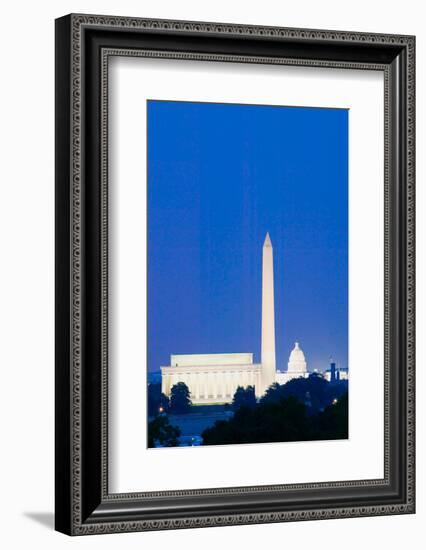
{"type": "Point", "coordinates": [303, 409]}
{"type": "Point", "coordinates": [278, 418]}
{"type": "Point", "coordinates": [159, 403]}
{"type": "Point", "coordinates": [315, 392]}
{"type": "Point", "coordinates": [160, 431]}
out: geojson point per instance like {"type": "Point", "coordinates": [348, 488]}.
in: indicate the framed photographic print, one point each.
{"type": "Point", "coordinates": [234, 274]}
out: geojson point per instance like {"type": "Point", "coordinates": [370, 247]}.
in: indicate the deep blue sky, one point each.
{"type": "Point", "coordinates": [219, 177]}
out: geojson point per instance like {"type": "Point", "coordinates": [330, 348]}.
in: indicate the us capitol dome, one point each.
{"type": "Point", "coordinates": [296, 366]}
{"type": "Point", "coordinates": [297, 361]}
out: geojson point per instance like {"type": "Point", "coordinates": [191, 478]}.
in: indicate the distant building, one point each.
{"type": "Point", "coordinates": [336, 374]}
{"type": "Point", "coordinates": [214, 378]}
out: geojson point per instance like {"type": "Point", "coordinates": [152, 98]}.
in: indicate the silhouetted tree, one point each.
{"type": "Point", "coordinates": [162, 433]}
{"type": "Point", "coordinates": [244, 397]}
{"type": "Point", "coordinates": [157, 401]}
{"type": "Point", "coordinates": [180, 398]}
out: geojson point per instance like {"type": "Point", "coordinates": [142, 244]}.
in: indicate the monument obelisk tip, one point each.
{"type": "Point", "coordinates": [267, 241]}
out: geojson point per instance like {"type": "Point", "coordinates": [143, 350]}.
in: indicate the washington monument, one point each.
{"type": "Point", "coordinates": [214, 377]}
{"type": "Point", "coordinates": [268, 316]}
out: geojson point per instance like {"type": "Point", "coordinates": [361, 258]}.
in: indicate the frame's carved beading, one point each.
{"type": "Point", "coordinates": [78, 23]}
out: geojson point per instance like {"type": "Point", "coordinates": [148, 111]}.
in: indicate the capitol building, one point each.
{"type": "Point", "coordinates": [214, 377]}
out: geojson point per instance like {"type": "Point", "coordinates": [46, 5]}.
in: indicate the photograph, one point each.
{"type": "Point", "coordinates": [247, 261]}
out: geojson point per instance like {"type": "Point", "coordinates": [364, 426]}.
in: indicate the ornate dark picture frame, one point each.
{"type": "Point", "coordinates": [84, 44]}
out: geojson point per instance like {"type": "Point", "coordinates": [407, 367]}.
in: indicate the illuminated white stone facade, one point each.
{"type": "Point", "coordinates": [268, 317]}
{"type": "Point", "coordinates": [214, 378]}
{"type": "Point", "coordinates": [296, 366]}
